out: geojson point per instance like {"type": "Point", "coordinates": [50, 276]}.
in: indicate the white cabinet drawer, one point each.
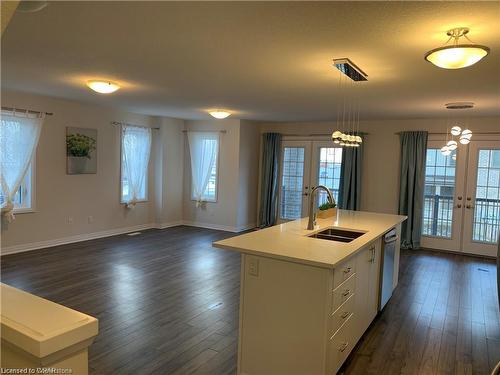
{"type": "Point", "coordinates": [344, 292]}
{"type": "Point", "coordinates": [340, 346]}
{"type": "Point", "coordinates": [343, 272]}
{"type": "Point", "coordinates": [341, 315]}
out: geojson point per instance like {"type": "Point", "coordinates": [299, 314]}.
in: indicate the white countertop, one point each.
{"type": "Point", "coordinates": [41, 327]}
{"type": "Point", "coordinates": [289, 241]}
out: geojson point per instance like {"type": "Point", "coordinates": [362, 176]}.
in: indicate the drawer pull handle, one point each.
{"type": "Point", "coordinates": [343, 346]}
{"type": "Point", "coordinates": [346, 293]}
{"type": "Point", "coordinates": [347, 270]}
{"type": "Point", "coordinates": [345, 314]}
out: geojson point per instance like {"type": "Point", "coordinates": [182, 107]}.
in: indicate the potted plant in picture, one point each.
{"type": "Point", "coordinates": [327, 210]}
{"type": "Point", "coordinates": [79, 148]}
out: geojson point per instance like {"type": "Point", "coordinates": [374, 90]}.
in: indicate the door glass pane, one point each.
{"type": "Point", "coordinates": [292, 182]}
{"type": "Point", "coordinates": [330, 159]}
{"type": "Point", "coordinates": [486, 219]}
{"type": "Point", "coordinates": [438, 194]}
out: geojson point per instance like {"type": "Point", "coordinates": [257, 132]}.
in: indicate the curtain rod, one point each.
{"type": "Point", "coordinates": [25, 110]}
{"type": "Point", "coordinates": [314, 135]}
{"type": "Point", "coordinates": [118, 123]}
{"type": "Point", "coordinates": [206, 131]}
{"type": "Point", "coordinates": [475, 133]}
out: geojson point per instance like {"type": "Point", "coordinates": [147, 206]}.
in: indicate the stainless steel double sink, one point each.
{"type": "Point", "coordinates": [339, 235]}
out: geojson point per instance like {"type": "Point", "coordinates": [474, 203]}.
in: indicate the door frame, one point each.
{"type": "Point", "coordinates": [314, 143]}
{"type": "Point", "coordinates": [476, 247]}
{"type": "Point", "coordinates": [306, 174]}
{"type": "Point", "coordinates": [455, 242]}
{"type": "Point", "coordinates": [467, 187]}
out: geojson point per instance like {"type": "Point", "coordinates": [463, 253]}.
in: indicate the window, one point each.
{"type": "Point", "coordinates": [211, 190]}
{"type": "Point", "coordinates": [204, 152]}
{"type": "Point", "coordinates": [136, 147]}
{"type": "Point", "coordinates": [330, 162]}
{"type": "Point", "coordinates": [23, 199]}
{"type": "Point", "coordinates": [19, 134]}
{"type": "Point", "coordinates": [292, 182]}
{"type": "Point", "coordinates": [439, 188]}
{"type": "Point", "coordinates": [486, 221]}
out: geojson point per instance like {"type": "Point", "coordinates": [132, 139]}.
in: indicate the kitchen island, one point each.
{"type": "Point", "coordinates": [305, 302]}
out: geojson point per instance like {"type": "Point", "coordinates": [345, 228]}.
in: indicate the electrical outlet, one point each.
{"type": "Point", "coordinates": [90, 219]}
{"type": "Point", "coordinates": [253, 266]}
{"type": "Point", "coordinates": [70, 220]}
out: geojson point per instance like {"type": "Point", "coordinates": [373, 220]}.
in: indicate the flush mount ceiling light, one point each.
{"type": "Point", "coordinates": [103, 87]}
{"type": "Point", "coordinates": [219, 114]}
{"type": "Point", "coordinates": [456, 55]}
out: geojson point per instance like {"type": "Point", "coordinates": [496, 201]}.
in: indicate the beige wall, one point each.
{"type": "Point", "coordinates": [169, 171]}
{"type": "Point", "coordinates": [223, 213]}
{"type": "Point", "coordinates": [380, 185]}
{"type": "Point", "coordinates": [236, 204]}
{"type": "Point", "coordinates": [58, 195]}
{"type": "Point", "coordinates": [249, 174]}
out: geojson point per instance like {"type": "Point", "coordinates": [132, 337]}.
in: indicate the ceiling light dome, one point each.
{"type": "Point", "coordinates": [456, 56]}
{"type": "Point", "coordinates": [103, 87]}
{"type": "Point", "coordinates": [219, 114]}
{"type": "Point", "coordinates": [445, 150]}
{"type": "Point", "coordinates": [452, 145]}
{"type": "Point", "coordinates": [26, 6]}
{"type": "Point", "coordinates": [456, 130]}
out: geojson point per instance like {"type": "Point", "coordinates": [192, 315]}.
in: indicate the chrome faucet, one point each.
{"type": "Point", "coordinates": [312, 211]}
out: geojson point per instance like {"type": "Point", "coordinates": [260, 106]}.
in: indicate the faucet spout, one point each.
{"type": "Point", "coordinates": [312, 211]}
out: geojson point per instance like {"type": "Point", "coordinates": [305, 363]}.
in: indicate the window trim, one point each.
{"type": "Point", "coordinates": [217, 164]}
{"type": "Point", "coordinates": [146, 180]}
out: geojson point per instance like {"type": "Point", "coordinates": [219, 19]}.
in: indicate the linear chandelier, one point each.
{"type": "Point", "coordinates": [348, 109]}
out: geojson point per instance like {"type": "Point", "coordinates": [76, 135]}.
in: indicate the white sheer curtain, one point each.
{"type": "Point", "coordinates": [136, 149]}
{"type": "Point", "coordinates": [203, 147]}
{"type": "Point", "coordinates": [19, 134]}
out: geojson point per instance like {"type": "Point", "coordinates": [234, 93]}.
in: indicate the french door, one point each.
{"type": "Point", "coordinates": [305, 164]}
{"type": "Point", "coordinates": [462, 198]}
{"type": "Point", "coordinates": [294, 179]}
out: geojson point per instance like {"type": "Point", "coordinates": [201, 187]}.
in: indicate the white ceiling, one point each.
{"type": "Point", "coordinates": [264, 61]}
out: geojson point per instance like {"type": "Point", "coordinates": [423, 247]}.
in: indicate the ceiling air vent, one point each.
{"type": "Point", "coordinates": [350, 69]}
{"type": "Point", "coordinates": [459, 105]}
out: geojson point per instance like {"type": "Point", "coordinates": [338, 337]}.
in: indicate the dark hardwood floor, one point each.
{"type": "Point", "coordinates": [167, 303]}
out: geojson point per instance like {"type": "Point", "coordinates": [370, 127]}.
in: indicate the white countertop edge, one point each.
{"type": "Point", "coordinates": [293, 235]}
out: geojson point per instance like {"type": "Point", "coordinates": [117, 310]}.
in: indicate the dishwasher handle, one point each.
{"type": "Point", "coordinates": [391, 236]}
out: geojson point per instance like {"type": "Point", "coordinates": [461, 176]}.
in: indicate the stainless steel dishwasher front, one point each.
{"type": "Point", "coordinates": [387, 266]}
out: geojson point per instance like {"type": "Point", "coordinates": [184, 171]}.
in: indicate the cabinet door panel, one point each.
{"type": "Point", "coordinates": [367, 286]}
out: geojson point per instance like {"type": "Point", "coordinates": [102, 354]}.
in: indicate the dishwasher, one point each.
{"type": "Point", "coordinates": [387, 267]}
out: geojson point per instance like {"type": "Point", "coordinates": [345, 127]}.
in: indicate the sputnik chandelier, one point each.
{"type": "Point", "coordinates": [347, 133]}
{"type": "Point", "coordinates": [463, 135]}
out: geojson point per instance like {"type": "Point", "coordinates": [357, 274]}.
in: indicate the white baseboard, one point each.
{"type": "Point", "coordinates": [167, 225]}
{"type": "Point", "coordinates": [113, 232]}
{"type": "Point", "coordinates": [72, 239]}
{"type": "Point", "coordinates": [242, 228]}
{"type": "Point", "coordinates": [225, 228]}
